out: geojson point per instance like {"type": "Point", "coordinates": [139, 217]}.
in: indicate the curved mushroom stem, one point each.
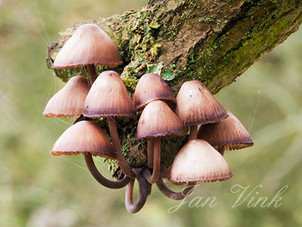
{"type": "Point", "coordinates": [150, 153]}
{"type": "Point", "coordinates": [92, 73]}
{"type": "Point", "coordinates": [156, 162]}
{"type": "Point", "coordinates": [144, 191]}
{"type": "Point", "coordinates": [221, 150]}
{"type": "Point", "coordinates": [174, 195]}
{"type": "Point", "coordinates": [193, 132]}
{"type": "Point", "coordinates": [100, 178]}
{"type": "Point", "coordinates": [117, 147]}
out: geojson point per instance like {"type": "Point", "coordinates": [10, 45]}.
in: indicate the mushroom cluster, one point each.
{"type": "Point", "coordinates": [159, 115]}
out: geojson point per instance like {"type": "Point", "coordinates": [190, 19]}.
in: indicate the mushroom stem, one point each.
{"type": "Point", "coordinates": [156, 162]}
{"type": "Point", "coordinates": [100, 178]}
{"type": "Point", "coordinates": [150, 153]}
{"type": "Point", "coordinates": [174, 195]}
{"type": "Point", "coordinates": [144, 191]}
{"type": "Point", "coordinates": [92, 73]}
{"type": "Point", "coordinates": [221, 150]}
{"type": "Point", "coordinates": [193, 132]}
{"type": "Point", "coordinates": [117, 148]}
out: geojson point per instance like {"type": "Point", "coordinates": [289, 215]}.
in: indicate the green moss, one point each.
{"type": "Point", "coordinates": [131, 83]}
{"type": "Point", "coordinates": [154, 24]}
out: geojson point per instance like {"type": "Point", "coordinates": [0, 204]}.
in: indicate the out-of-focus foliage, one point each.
{"type": "Point", "coordinates": [39, 190]}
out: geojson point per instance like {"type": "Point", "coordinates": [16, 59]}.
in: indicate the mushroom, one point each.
{"type": "Point", "coordinates": [196, 105]}
{"type": "Point", "coordinates": [228, 134]}
{"type": "Point", "coordinates": [89, 46]}
{"type": "Point", "coordinates": [86, 138]}
{"type": "Point", "coordinates": [69, 101]}
{"type": "Point", "coordinates": [199, 161]}
{"type": "Point", "coordinates": [157, 120]}
{"type": "Point", "coordinates": [108, 97]}
{"type": "Point", "coordinates": [152, 87]}
{"type": "Point", "coordinates": [196, 161]}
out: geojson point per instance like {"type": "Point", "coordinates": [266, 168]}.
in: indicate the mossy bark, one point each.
{"type": "Point", "coordinates": [213, 41]}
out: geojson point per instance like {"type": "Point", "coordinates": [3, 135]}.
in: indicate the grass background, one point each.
{"type": "Point", "coordinates": [39, 190]}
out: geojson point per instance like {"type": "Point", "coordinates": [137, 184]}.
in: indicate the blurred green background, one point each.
{"type": "Point", "coordinates": [37, 189]}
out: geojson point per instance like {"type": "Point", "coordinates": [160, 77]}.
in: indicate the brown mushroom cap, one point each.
{"type": "Point", "coordinates": [199, 161]}
{"type": "Point", "coordinates": [196, 105]}
{"type": "Point", "coordinates": [108, 96]}
{"type": "Point", "coordinates": [152, 87]}
{"type": "Point", "coordinates": [69, 101]}
{"type": "Point", "coordinates": [84, 137]}
{"type": "Point", "coordinates": [88, 45]}
{"type": "Point", "coordinates": [229, 134]}
{"type": "Point", "coordinates": [158, 119]}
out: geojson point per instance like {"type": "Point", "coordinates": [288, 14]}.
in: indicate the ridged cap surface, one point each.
{"type": "Point", "coordinates": [152, 87]}
{"type": "Point", "coordinates": [199, 161]}
{"type": "Point", "coordinates": [196, 105]}
{"type": "Point", "coordinates": [69, 101]}
{"type": "Point", "coordinates": [88, 45]}
{"type": "Point", "coordinates": [108, 96]}
{"type": "Point", "coordinates": [84, 137]}
{"type": "Point", "coordinates": [229, 134]}
{"type": "Point", "coordinates": [158, 119]}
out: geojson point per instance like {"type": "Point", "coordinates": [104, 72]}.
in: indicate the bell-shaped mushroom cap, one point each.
{"type": "Point", "coordinates": [88, 45]}
{"type": "Point", "coordinates": [84, 137]}
{"type": "Point", "coordinates": [69, 101]}
{"type": "Point", "coordinates": [229, 134]}
{"type": "Point", "coordinates": [108, 96]}
{"type": "Point", "coordinates": [196, 105]}
{"type": "Point", "coordinates": [152, 87]}
{"type": "Point", "coordinates": [199, 161]}
{"type": "Point", "coordinates": [158, 119]}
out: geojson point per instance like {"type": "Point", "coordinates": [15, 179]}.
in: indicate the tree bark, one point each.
{"type": "Point", "coordinates": [213, 41]}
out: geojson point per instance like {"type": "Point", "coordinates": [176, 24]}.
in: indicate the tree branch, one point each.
{"type": "Point", "coordinates": [212, 41]}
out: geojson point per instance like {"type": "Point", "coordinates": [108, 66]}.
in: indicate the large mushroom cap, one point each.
{"type": "Point", "coordinates": [196, 105]}
{"type": "Point", "coordinates": [108, 96]}
{"type": "Point", "coordinates": [84, 137]}
{"type": "Point", "coordinates": [88, 45]}
{"type": "Point", "coordinates": [199, 161]}
{"type": "Point", "coordinates": [229, 134]}
{"type": "Point", "coordinates": [158, 119]}
{"type": "Point", "coordinates": [69, 101]}
{"type": "Point", "coordinates": [152, 87]}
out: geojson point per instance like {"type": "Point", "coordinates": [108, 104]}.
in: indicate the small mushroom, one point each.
{"type": "Point", "coordinates": [196, 105]}
{"type": "Point", "coordinates": [89, 46]}
{"type": "Point", "coordinates": [196, 161]}
{"type": "Point", "coordinates": [86, 138]}
{"type": "Point", "coordinates": [69, 101]}
{"type": "Point", "coordinates": [199, 161]}
{"type": "Point", "coordinates": [152, 87]}
{"type": "Point", "coordinates": [228, 134]}
{"type": "Point", "coordinates": [108, 97]}
{"type": "Point", "coordinates": [157, 120]}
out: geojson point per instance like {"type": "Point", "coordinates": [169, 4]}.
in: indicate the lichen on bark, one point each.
{"type": "Point", "coordinates": [213, 41]}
